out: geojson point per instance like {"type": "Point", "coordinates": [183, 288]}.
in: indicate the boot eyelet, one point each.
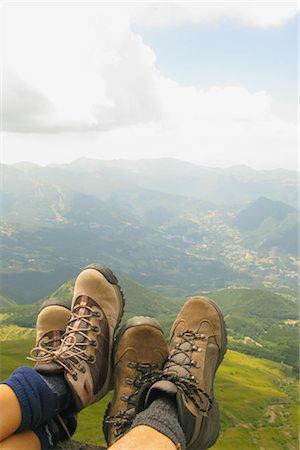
{"type": "Point", "coordinates": [91, 359]}
{"type": "Point", "coordinates": [202, 336]}
{"type": "Point", "coordinates": [95, 328]}
{"type": "Point", "coordinates": [97, 314]}
{"type": "Point", "coordinates": [124, 398]}
{"type": "Point", "coordinates": [199, 349]}
{"type": "Point", "coordinates": [82, 369]}
{"type": "Point", "coordinates": [93, 343]}
{"type": "Point", "coordinates": [128, 381]}
{"type": "Point", "coordinates": [131, 364]}
{"type": "Point", "coordinates": [74, 375]}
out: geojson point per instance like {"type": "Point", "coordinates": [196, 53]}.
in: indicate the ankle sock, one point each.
{"type": "Point", "coordinates": [162, 416]}
{"type": "Point", "coordinates": [40, 397]}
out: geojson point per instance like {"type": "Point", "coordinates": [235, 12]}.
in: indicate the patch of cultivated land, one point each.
{"type": "Point", "coordinates": [258, 400]}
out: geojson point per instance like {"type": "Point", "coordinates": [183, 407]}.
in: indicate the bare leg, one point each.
{"type": "Point", "coordinates": [10, 412]}
{"type": "Point", "coordinates": [143, 437]}
{"type": "Point", "coordinates": [27, 440]}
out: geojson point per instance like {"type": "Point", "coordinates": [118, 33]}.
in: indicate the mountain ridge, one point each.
{"type": "Point", "coordinates": [261, 209]}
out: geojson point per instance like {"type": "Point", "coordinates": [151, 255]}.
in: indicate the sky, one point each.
{"type": "Point", "coordinates": [213, 83]}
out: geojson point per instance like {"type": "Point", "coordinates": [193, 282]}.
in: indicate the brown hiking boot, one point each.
{"type": "Point", "coordinates": [197, 348]}
{"type": "Point", "coordinates": [51, 324]}
{"type": "Point", "coordinates": [85, 351]}
{"type": "Point", "coordinates": [140, 348]}
{"type": "Point", "coordinates": [52, 320]}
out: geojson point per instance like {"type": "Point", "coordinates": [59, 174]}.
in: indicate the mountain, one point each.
{"type": "Point", "coordinates": [229, 186]}
{"type": "Point", "coordinates": [234, 185]}
{"type": "Point", "coordinates": [269, 226]}
{"type": "Point", "coordinates": [151, 221]}
{"type": "Point", "coordinates": [259, 211]}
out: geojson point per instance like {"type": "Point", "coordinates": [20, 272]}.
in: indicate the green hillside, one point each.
{"type": "Point", "coordinates": [256, 303]}
{"type": "Point", "coordinates": [258, 400]}
{"type": "Point", "coordinates": [6, 303]}
{"type": "Point", "coordinates": [19, 315]}
{"type": "Point", "coordinates": [261, 323]}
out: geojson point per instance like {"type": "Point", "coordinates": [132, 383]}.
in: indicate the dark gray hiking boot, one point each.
{"type": "Point", "coordinates": [86, 347]}
{"type": "Point", "coordinates": [198, 344]}
{"type": "Point", "coordinates": [140, 348]}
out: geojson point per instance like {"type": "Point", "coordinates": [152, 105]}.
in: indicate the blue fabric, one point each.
{"type": "Point", "coordinates": [37, 400]}
{"type": "Point", "coordinates": [45, 436]}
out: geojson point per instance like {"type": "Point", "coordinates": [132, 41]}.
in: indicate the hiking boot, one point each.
{"type": "Point", "coordinates": [85, 351]}
{"type": "Point", "coordinates": [51, 324]}
{"type": "Point", "coordinates": [197, 347]}
{"type": "Point", "coordinates": [140, 348]}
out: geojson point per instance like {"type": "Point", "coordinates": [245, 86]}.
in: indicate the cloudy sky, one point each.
{"type": "Point", "coordinates": [214, 83]}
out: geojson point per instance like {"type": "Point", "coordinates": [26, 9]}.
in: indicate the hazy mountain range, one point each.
{"type": "Point", "coordinates": [171, 225]}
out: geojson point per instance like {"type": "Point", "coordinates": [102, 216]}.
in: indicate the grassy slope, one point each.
{"type": "Point", "coordinates": [6, 302]}
{"type": "Point", "coordinates": [260, 315]}
{"type": "Point", "coordinates": [258, 400]}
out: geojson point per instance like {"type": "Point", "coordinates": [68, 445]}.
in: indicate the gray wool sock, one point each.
{"type": "Point", "coordinates": [162, 416]}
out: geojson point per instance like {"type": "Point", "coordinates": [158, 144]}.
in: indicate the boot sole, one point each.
{"type": "Point", "coordinates": [224, 342]}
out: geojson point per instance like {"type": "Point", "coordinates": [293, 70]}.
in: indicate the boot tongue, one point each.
{"type": "Point", "coordinates": [180, 361]}
{"type": "Point", "coordinates": [49, 368]}
{"type": "Point", "coordinates": [157, 389]}
{"type": "Point", "coordinates": [80, 324]}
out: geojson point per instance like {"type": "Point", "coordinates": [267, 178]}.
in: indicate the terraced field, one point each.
{"type": "Point", "coordinates": [258, 400]}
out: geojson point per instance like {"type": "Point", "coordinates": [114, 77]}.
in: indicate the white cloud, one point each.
{"type": "Point", "coordinates": [86, 62]}
{"type": "Point", "coordinates": [80, 82]}
{"type": "Point", "coordinates": [254, 14]}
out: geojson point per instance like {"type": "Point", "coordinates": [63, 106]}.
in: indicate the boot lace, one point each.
{"type": "Point", "coordinates": [185, 384]}
{"type": "Point", "coordinates": [122, 420]}
{"type": "Point", "coordinates": [74, 343]}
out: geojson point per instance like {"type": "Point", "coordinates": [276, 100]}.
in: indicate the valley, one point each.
{"type": "Point", "coordinates": [169, 230]}
{"type": "Point", "coordinates": [156, 223]}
